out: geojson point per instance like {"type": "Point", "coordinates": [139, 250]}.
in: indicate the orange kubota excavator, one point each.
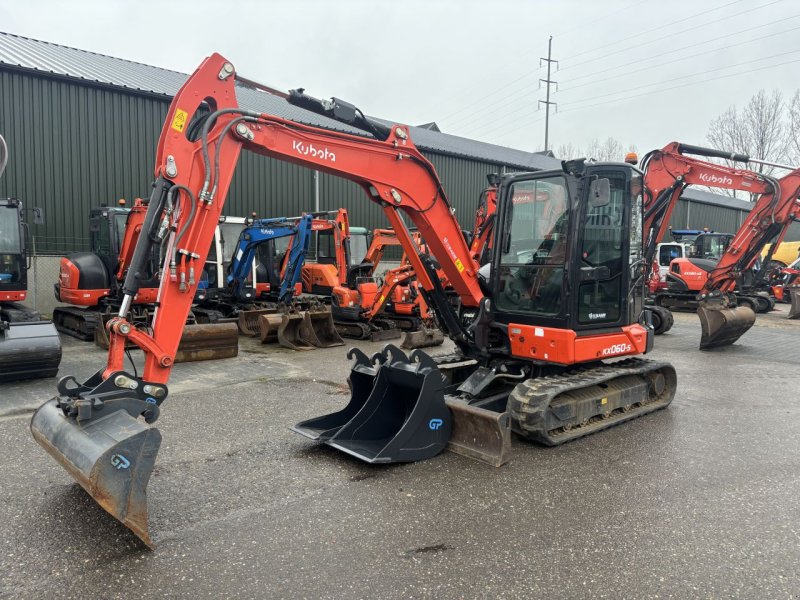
{"type": "Point", "coordinates": [667, 173]}
{"type": "Point", "coordinates": [564, 291]}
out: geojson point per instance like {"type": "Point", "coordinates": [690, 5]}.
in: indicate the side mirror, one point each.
{"type": "Point", "coordinates": [599, 193]}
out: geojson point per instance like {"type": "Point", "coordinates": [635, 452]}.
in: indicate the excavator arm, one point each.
{"type": "Point", "coordinates": [257, 233]}
{"type": "Point", "coordinates": [667, 174]}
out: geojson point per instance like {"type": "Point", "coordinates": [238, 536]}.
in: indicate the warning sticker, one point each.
{"type": "Point", "coordinates": [459, 265]}
{"type": "Point", "coordinates": [179, 120]}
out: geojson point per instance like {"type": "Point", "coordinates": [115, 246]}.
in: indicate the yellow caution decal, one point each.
{"type": "Point", "coordinates": [179, 120]}
{"type": "Point", "coordinates": [459, 265]}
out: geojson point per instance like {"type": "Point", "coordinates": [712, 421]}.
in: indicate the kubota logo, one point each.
{"type": "Point", "coordinates": [616, 349]}
{"type": "Point", "coordinates": [311, 150]}
{"type": "Point", "coordinates": [706, 178]}
{"type": "Point", "coordinates": [265, 231]}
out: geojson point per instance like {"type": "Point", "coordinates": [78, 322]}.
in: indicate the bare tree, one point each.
{"type": "Point", "coordinates": [793, 151]}
{"type": "Point", "coordinates": [568, 151]}
{"type": "Point", "coordinates": [760, 130]}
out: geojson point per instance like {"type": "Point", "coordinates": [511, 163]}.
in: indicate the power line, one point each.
{"type": "Point", "coordinates": [659, 28]}
{"type": "Point", "coordinates": [637, 4]}
{"type": "Point", "coordinates": [674, 50]}
{"type": "Point", "coordinates": [507, 102]}
{"type": "Point", "coordinates": [714, 70]}
{"type": "Point", "coordinates": [628, 73]}
{"type": "Point", "coordinates": [669, 35]}
{"type": "Point", "coordinates": [614, 100]}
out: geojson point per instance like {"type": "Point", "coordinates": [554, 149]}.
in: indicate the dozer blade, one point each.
{"type": "Point", "coordinates": [268, 328]}
{"type": "Point", "coordinates": [289, 335]}
{"type": "Point", "coordinates": [723, 326]}
{"type": "Point", "coordinates": [318, 328]}
{"type": "Point", "coordinates": [403, 417]}
{"type": "Point", "coordinates": [248, 320]}
{"type": "Point", "coordinates": [478, 433]}
{"type": "Point", "coordinates": [794, 310]}
{"type": "Point", "coordinates": [29, 350]}
{"type": "Point", "coordinates": [111, 457]}
{"type": "Point", "coordinates": [422, 338]}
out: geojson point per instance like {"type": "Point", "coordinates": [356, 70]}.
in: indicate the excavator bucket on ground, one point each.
{"type": "Point", "coordinates": [723, 326]}
{"type": "Point", "coordinates": [289, 331]}
{"type": "Point", "coordinates": [248, 320]}
{"type": "Point", "coordinates": [28, 350]}
{"type": "Point", "coordinates": [268, 327]}
{"type": "Point", "coordinates": [425, 337]}
{"type": "Point", "coordinates": [198, 342]}
{"type": "Point", "coordinates": [318, 328]}
{"type": "Point", "coordinates": [107, 448]}
{"type": "Point", "coordinates": [400, 417]}
{"type": "Point", "coordinates": [794, 309]}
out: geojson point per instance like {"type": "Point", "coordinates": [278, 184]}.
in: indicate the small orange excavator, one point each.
{"type": "Point", "coordinates": [532, 329]}
{"type": "Point", "coordinates": [348, 281]}
{"type": "Point", "coordinates": [724, 315]}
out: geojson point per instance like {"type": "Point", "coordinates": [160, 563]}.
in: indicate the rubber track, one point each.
{"type": "Point", "coordinates": [530, 400]}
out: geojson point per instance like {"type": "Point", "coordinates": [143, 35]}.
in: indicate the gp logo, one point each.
{"type": "Point", "coordinates": [119, 462]}
{"type": "Point", "coordinates": [435, 424]}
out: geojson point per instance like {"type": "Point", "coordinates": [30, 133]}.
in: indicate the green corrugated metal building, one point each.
{"type": "Point", "coordinates": [82, 130]}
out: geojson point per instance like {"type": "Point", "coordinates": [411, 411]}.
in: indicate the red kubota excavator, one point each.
{"type": "Point", "coordinates": [667, 173]}
{"type": "Point", "coordinates": [564, 291]}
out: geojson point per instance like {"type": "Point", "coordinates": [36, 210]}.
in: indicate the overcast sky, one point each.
{"type": "Point", "coordinates": [645, 72]}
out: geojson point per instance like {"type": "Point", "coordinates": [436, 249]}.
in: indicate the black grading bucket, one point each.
{"type": "Point", "coordinates": [105, 447]}
{"type": "Point", "coordinates": [402, 417]}
{"type": "Point", "coordinates": [248, 320]}
{"type": "Point", "coordinates": [318, 328]}
{"type": "Point", "coordinates": [794, 295]}
{"type": "Point", "coordinates": [425, 337]}
{"type": "Point", "coordinates": [361, 381]}
{"type": "Point", "coordinates": [28, 350]}
{"type": "Point", "coordinates": [289, 334]}
{"type": "Point", "coordinates": [723, 326]}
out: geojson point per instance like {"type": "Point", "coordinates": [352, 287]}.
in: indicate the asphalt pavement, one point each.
{"type": "Point", "coordinates": [700, 500]}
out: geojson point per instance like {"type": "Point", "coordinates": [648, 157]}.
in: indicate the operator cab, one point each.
{"type": "Point", "coordinates": [570, 245]}
{"type": "Point", "coordinates": [13, 271]}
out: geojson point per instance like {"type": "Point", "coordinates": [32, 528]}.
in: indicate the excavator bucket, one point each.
{"type": "Point", "coordinates": [401, 417]}
{"type": "Point", "coordinates": [28, 350]}
{"type": "Point", "coordinates": [361, 381]}
{"type": "Point", "coordinates": [198, 342]}
{"type": "Point", "coordinates": [318, 328]}
{"type": "Point", "coordinates": [248, 320]}
{"type": "Point", "coordinates": [268, 328]}
{"type": "Point", "coordinates": [723, 326]}
{"type": "Point", "coordinates": [425, 337]}
{"type": "Point", "coordinates": [289, 335]}
{"type": "Point", "coordinates": [111, 456]}
{"type": "Point", "coordinates": [794, 309]}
